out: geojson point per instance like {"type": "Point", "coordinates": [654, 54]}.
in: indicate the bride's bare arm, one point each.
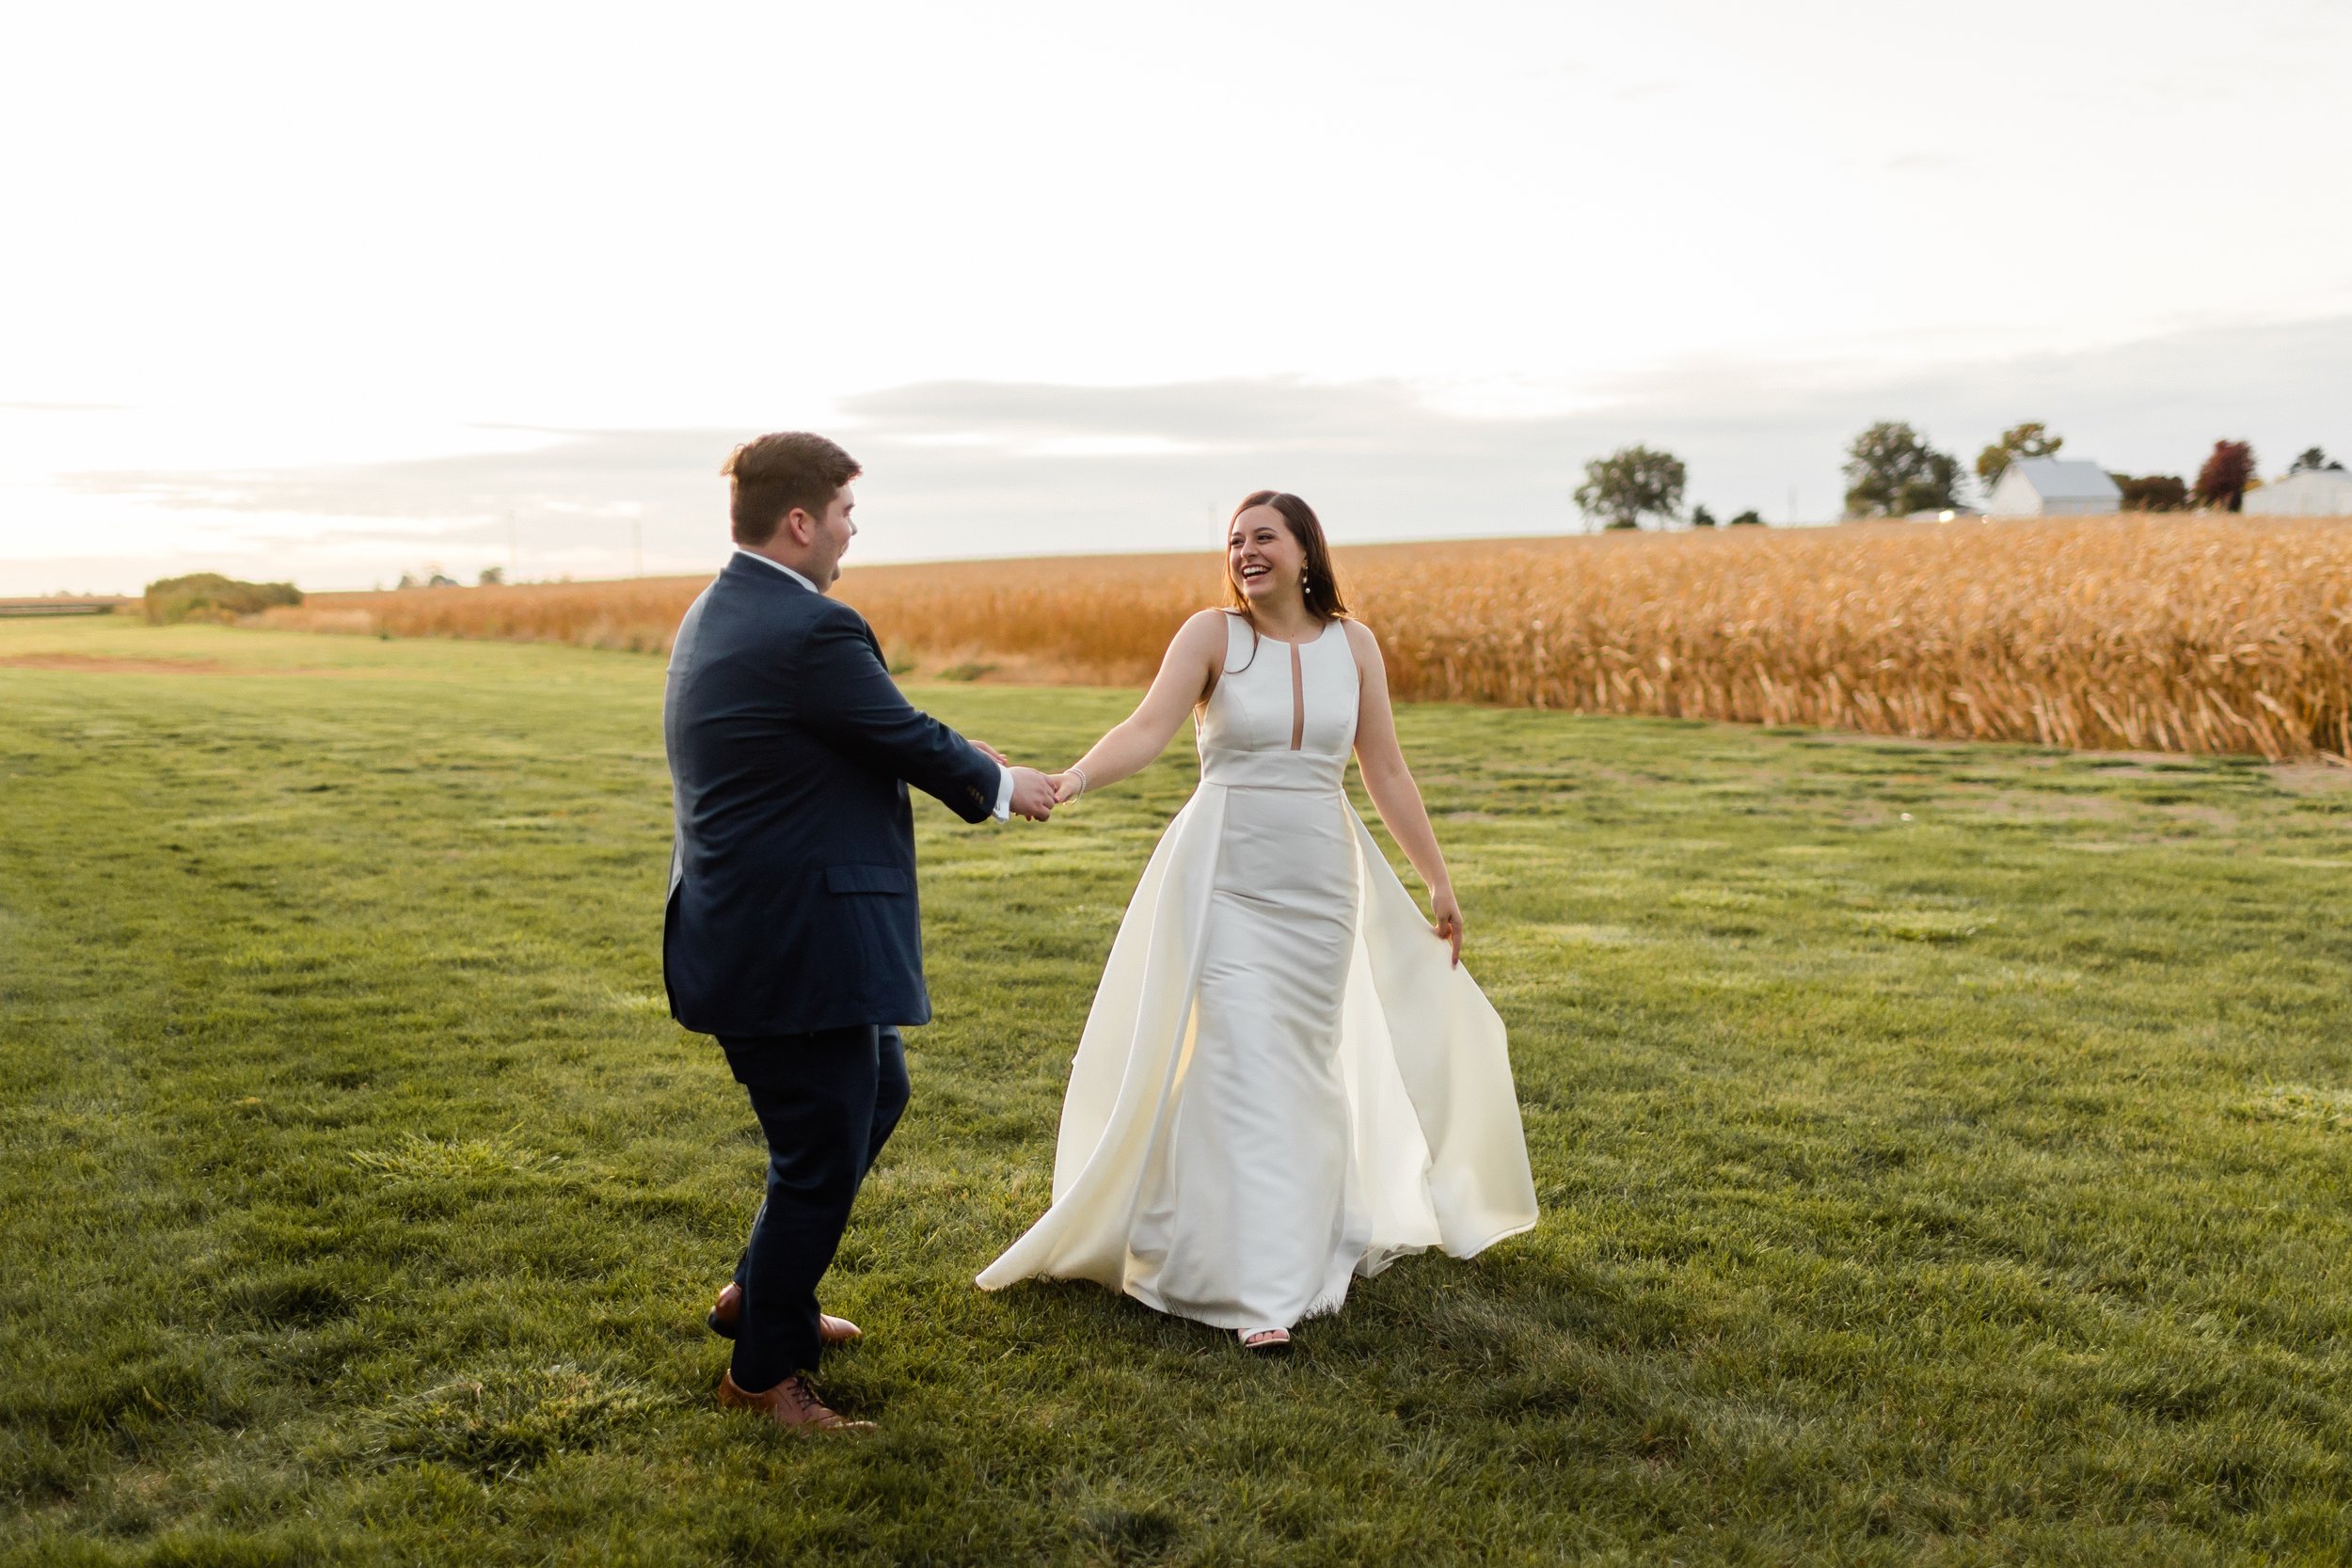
{"type": "Point", "coordinates": [1390, 784]}
{"type": "Point", "coordinates": [1192, 658]}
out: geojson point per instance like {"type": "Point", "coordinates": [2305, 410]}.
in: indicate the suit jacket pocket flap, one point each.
{"type": "Point", "coordinates": [868, 879]}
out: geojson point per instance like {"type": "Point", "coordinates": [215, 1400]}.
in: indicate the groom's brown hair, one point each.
{"type": "Point", "coordinates": [773, 475]}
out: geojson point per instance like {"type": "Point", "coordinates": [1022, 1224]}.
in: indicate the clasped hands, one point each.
{"type": "Point", "coordinates": [1035, 794]}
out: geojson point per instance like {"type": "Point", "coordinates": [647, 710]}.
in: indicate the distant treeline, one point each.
{"type": "Point", "coordinates": [210, 596]}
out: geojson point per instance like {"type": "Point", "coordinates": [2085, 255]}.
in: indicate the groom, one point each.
{"type": "Point", "coordinates": [792, 932]}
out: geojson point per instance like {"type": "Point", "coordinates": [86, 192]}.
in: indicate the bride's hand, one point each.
{"type": "Point", "coordinates": [1449, 922]}
{"type": "Point", "coordinates": [1067, 787]}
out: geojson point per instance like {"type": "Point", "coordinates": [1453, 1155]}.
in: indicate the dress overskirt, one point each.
{"type": "Point", "coordinates": [1437, 1154]}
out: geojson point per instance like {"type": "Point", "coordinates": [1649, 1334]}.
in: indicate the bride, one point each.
{"type": "Point", "coordinates": [1285, 1079]}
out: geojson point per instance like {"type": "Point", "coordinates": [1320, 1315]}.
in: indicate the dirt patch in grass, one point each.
{"type": "Point", "coordinates": [2309, 778]}
{"type": "Point", "coordinates": [994, 669]}
{"type": "Point", "coordinates": [108, 664]}
{"type": "Point", "coordinates": [2015, 805]}
{"type": "Point", "coordinates": [1893, 745]}
{"type": "Point", "coordinates": [2207, 816]}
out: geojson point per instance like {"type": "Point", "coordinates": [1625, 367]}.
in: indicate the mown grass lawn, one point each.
{"type": "Point", "coordinates": [1944, 1153]}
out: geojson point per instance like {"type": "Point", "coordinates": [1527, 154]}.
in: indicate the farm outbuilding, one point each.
{"type": "Point", "coordinates": [2306, 493]}
{"type": "Point", "coordinates": [2052, 487]}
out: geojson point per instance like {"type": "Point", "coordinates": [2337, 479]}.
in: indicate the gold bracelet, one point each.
{"type": "Point", "coordinates": [1082, 779]}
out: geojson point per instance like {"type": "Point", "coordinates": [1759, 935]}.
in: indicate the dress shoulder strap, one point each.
{"type": "Point", "coordinates": [1350, 643]}
{"type": "Point", "coordinates": [1235, 621]}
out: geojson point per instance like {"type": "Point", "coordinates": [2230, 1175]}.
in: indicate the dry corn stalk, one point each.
{"type": "Point", "coordinates": [2176, 634]}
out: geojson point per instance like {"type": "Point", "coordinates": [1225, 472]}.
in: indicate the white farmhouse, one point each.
{"type": "Point", "coordinates": [2053, 486]}
{"type": "Point", "coordinates": [2306, 493]}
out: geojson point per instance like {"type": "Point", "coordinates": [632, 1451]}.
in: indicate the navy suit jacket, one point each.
{"type": "Point", "coordinates": [793, 904]}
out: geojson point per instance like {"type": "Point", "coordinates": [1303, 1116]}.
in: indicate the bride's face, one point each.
{"type": "Point", "coordinates": [1263, 557]}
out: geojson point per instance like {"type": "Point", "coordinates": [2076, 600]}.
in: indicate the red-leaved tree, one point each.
{"type": "Point", "coordinates": [2227, 472]}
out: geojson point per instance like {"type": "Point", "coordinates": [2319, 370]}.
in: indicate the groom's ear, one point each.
{"type": "Point", "coordinates": [800, 525]}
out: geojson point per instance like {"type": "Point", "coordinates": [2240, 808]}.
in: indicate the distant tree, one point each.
{"type": "Point", "coordinates": [1630, 484]}
{"type": "Point", "coordinates": [2032, 439]}
{"type": "Point", "coordinates": [2313, 461]}
{"type": "Point", "coordinates": [1890, 472]}
{"type": "Point", "coordinates": [492, 577]}
{"type": "Point", "coordinates": [2229, 472]}
{"type": "Point", "coordinates": [2152, 492]}
{"type": "Point", "coordinates": [406, 580]}
{"type": "Point", "coordinates": [1750, 519]}
{"type": "Point", "coordinates": [1701, 517]}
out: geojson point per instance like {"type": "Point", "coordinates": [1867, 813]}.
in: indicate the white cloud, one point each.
{"type": "Point", "coordinates": [268, 239]}
{"type": "Point", "coordinates": [1043, 468]}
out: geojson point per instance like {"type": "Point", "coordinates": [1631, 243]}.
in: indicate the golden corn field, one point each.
{"type": "Point", "coordinates": [2155, 633]}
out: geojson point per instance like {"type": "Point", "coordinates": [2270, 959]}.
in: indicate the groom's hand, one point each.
{"type": "Point", "coordinates": [990, 753]}
{"type": "Point", "coordinates": [1032, 794]}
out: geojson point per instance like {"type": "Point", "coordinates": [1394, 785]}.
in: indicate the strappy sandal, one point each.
{"type": "Point", "coordinates": [1266, 1341]}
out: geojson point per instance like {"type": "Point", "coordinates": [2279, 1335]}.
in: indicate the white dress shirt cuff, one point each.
{"type": "Point", "coordinates": [1004, 792]}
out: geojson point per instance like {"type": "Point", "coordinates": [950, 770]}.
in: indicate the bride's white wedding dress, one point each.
{"type": "Point", "coordinates": [1282, 1082]}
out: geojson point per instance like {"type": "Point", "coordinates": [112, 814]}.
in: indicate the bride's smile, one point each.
{"type": "Point", "coordinates": [1263, 557]}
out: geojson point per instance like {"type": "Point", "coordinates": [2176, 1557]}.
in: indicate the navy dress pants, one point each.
{"type": "Point", "coordinates": [826, 1103]}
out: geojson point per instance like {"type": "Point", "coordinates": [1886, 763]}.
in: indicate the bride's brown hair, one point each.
{"type": "Point", "coordinates": [1319, 583]}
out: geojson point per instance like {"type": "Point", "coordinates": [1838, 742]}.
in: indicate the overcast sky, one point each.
{"type": "Point", "coordinates": [336, 294]}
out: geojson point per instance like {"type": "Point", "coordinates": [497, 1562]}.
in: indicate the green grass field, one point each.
{"type": "Point", "coordinates": [1944, 1153]}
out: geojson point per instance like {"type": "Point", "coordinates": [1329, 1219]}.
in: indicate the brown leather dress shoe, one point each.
{"type": "Point", "coordinates": [726, 1317]}
{"type": "Point", "coordinates": [791, 1404]}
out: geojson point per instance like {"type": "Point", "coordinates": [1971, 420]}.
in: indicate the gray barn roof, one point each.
{"type": "Point", "coordinates": [2055, 479]}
